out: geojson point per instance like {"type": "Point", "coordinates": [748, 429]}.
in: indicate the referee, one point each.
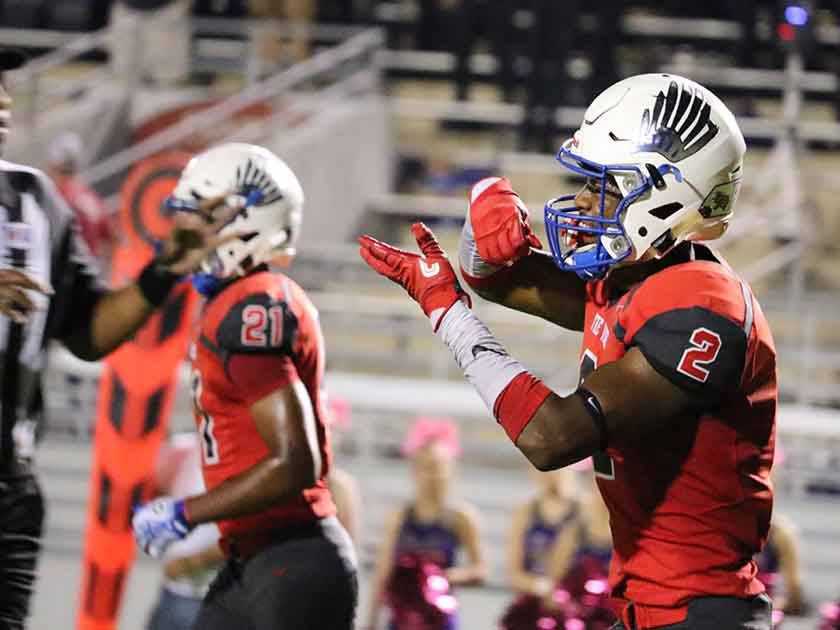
{"type": "Point", "coordinates": [49, 289]}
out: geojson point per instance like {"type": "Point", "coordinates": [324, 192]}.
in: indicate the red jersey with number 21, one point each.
{"type": "Point", "coordinates": [257, 335]}
{"type": "Point", "coordinates": [689, 504]}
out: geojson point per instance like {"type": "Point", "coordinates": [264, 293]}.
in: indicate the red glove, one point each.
{"type": "Point", "coordinates": [499, 222]}
{"type": "Point", "coordinates": [429, 279]}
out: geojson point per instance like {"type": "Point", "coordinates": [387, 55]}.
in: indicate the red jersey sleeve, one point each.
{"type": "Point", "coordinates": [255, 376]}
{"type": "Point", "coordinates": [692, 322]}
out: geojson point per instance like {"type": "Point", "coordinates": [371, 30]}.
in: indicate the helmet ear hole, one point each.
{"type": "Point", "coordinates": [665, 211]}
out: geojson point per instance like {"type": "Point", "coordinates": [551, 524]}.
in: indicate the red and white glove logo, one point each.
{"type": "Point", "coordinates": [429, 271]}
{"type": "Point", "coordinates": [429, 279]}
{"type": "Point", "coordinates": [499, 222]}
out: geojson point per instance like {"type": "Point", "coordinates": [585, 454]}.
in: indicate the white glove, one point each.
{"type": "Point", "coordinates": [159, 524]}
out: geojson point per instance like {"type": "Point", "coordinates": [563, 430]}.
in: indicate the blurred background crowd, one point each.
{"type": "Point", "coordinates": [388, 111]}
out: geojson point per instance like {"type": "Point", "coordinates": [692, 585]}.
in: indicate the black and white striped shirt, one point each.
{"type": "Point", "coordinates": [38, 235]}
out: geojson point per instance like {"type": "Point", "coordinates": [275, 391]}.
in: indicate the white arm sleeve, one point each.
{"type": "Point", "coordinates": [486, 363]}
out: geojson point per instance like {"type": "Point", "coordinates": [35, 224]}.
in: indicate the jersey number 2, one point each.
{"type": "Point", "coordinates": [705, 347]}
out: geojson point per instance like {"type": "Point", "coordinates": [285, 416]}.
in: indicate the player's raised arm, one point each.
{"type": "Point", "coordinates": [501, 259]}
{"type": "Point", "coordinates": [676, 362]}
{"type": "Point", "coordinates": [513, 395]}
{"type": "Point", "coordinates": [93, 321]}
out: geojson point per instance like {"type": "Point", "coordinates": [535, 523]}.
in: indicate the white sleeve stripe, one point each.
{"type": "Point", "coordinates": [748, 308]}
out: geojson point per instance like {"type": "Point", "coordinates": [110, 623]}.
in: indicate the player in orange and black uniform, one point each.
{"type": "Point", "coordinates": [677, 398]}
{"type": "Point", "coordinates": [258, 367]}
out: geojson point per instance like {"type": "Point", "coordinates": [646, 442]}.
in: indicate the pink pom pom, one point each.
{"type": "Point", "coordinates": [431, 430]}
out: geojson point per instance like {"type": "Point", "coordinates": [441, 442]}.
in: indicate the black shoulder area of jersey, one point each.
{"type": "Point", "coordinates": [700, 351]}
{"type": "Point", "coordinates": [258, 324]}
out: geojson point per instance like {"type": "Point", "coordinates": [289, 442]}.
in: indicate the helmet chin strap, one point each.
{"type": "Point", "coordinates": [206, 283]}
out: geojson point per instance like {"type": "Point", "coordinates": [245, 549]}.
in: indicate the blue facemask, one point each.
{"type": "Point", "coordinates": [564, 221]}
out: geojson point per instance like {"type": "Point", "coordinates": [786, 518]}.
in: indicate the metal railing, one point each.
{"type": "Point", "coordinates": [354, 49]}
{"type": "Point", "coordinates": [228, 44]}
{"type": "Point", "coordinates": [41, 38]}
{"type": "Point", "coordinates": [31, 79]}
{"type": "Point", "coordinates": [68, 46]}
{"type": "Point", "coordinates": [360, 81]}
{"type": "Point", "coordinates": [758, 128]}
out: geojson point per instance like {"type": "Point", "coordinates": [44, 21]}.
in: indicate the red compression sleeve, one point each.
{"type": "Point", "coordinates": [518, 403]}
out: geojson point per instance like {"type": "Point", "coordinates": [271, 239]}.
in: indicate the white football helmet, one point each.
{"type": "Point", "coordinates": [266, 190]}
{"type": "Point", "coordinates": [675, 153]}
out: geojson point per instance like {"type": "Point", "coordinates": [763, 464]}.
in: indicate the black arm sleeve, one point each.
{"type": "Point", "coordinates": [78, 287]}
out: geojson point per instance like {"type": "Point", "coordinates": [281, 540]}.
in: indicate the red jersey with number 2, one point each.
{"type": "Point", "coordinates": [257, 335]}
{"type": "Point", "coordinates": [690, 504]}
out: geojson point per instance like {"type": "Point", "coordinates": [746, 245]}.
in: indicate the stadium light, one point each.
{"type": "Point", "coordinates": [795, 26]}
{"type": "Point", "coordinates": [796, 15]}
{"type": "Point", "coordinates": [786, 32]}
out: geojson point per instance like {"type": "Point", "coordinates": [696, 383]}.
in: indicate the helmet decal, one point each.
{"type": "Point", "coordinates": [659, 132]}
{"type": "Point", "coordinates": [718, 203]}
{"type": "Point", "coordinates": [252, 177]}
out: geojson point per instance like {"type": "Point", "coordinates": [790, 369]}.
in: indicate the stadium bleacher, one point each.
{"type": "Point", "coordinates": [371, 99]}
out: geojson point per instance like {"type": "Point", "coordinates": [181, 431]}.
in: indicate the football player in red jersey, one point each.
{"type": "Point", "coordinates": [258, 367]}
{"type": "Point", "coordinates": [677, 397]}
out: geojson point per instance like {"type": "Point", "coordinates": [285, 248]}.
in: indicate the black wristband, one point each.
{"type": "Point", "coordinates": [155, 282]}
{"type": "Point", "coordinates": [593, 406]}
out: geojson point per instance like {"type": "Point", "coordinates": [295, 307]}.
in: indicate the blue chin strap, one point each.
{"type": "Point", "coordinates": [208, 284]}
{"type": "Point", "coordinates": [562, 219]}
